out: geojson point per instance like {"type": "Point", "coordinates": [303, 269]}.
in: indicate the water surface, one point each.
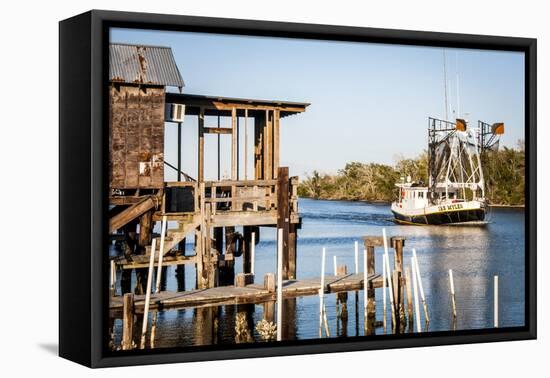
{"type": "Point", "coordinates": [475, 254]}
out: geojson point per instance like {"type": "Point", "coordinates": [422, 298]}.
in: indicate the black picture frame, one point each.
{"type": "Point", "coordinates": [83, 62]}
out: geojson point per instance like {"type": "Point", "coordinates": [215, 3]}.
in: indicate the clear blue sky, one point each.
{"type": "Point", "coordinates": [369, 102]}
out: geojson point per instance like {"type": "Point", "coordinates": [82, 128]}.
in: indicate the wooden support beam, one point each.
{"type": "Point", "coordinates": [131, 213]}
{"type": "Point", "coordinates": [200, 168]}
{"type": "Point", "coordinates": [215, 130]}
{"type": "Point", "coordinates": [128, 321]}
{"type": "Point", "coordinates": [259, 123]}
{"type": "Point", "coordinates": [246, 144]}
{"type": "Point", "coordinates": [268, 146]}
{"type": "Point", "coordinates": [234, 144]}
{"type": "Point", "coordinates": [276, 142]}
{"type": "Point", "coordinates": [283, 217]}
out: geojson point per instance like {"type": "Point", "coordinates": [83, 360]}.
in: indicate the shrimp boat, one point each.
{"type": "Point", "coordinates": [455, 194]}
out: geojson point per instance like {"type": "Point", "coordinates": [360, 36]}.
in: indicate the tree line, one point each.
{"type": "Point", "coordinates": [504, 173]}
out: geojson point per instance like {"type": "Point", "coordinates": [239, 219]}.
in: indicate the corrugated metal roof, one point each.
{"type": "Point", "coordinates": [138, 64]}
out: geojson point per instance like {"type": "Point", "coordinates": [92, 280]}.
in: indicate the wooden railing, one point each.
{"type": "Point", "coordinates": [238, 196]}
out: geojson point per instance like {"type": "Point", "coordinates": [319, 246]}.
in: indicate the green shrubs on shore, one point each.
{"type": "Point", "coordinates": [504, 172]}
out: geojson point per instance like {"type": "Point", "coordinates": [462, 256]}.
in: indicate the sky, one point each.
{"type": "Point", "coordinates": [369, 102]}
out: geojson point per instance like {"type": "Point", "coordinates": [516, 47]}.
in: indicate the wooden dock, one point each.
{"type": "Point", "coordinates": [253, 293]}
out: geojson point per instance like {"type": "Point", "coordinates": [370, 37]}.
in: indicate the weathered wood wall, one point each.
{"type": "Point", "coordinates": [136, 137]}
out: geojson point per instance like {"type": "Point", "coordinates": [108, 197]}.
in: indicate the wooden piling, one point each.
{"type": "Point", "coordinates": [322, 293]}
{"type": "Point", "coordinates": [113, 278]}
{"type": "Point", "coordinates": [415, 290]}
{"type": "Point", "coordinates": [148, 293]}
{"type": "Point", "coordinates": [283, 217]}
{"type": "Point", "coordinates": [269, 282]}
{"type": "Point", "coordinates": [244, 279]}
{"type": "Point", "coordinates": [371, 303]}
{"type": "Point", "coordinates": [279, 284]}
{"type": "Point", "coordinates": [452, 287]}
{"type": "Point", "coordinates": [247, 249]}
{"type": "Point", "coordinates": [397, 244]}
{"type": "Point", "coordinates": [252, 251]}
{"type": "Point", "coordinates": [384, 284]}
{"type": "Point", "coordinates": [495, 299]}
{"type": "Point", "coordinates": [269, 310]}
{"type": "Point", "coordinates": [396, 279]}
{"type": "Point", "coordinates": [292, 250]}
{"type": "Point", "coordinates": [421, 287]}
{"type": "Point", "coordinates": [229, 251]}
{"type": "Point", "coordinates": [128, 321]}
{"type": "Point", "coordinates": [144, 239]}
{"type": "Point", "coordinates": [342, 298]}
{"type": "Point", "coordinates": [365, 291]}
{"type": "Point", "coordinates": [408, 284]}
{"type": "Point", "coordinates": [161, 252]}
{"type": "Point", "coordinates": [356, 249]}
{"type": "Point", "coordinates": [388, 271]}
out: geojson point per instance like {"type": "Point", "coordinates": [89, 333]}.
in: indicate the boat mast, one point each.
{"type": "Point", "coordinates": [445, 85]}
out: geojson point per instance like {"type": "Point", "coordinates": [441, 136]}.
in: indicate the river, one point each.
{"type": "Point", "coordinates": [475, 254]}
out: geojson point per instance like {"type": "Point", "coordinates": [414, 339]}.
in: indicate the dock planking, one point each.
{"type": "Point", "coordinates": [254, 293]}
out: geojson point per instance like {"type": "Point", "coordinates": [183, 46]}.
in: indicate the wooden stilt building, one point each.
{"type": "Point", "coordinates": [140, 110]}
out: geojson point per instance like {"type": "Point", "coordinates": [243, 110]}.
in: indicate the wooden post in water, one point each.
{"type": "Point", "coordinates": [342, 270]}
{"type": "Point", "coordinates": [365, 290]}
{"type": "Point", "coordinates": [397, 299]}
{"type": "Point", "coordinates": [398, 243]}
{"type": "Point", "coordinates": [144, 239]}
{"type": "Point", "coordinates": [148, 293]}
{"type": "Point", "coordinates": [371, 305]}
{"type": "Point", "coordinates": [292, 250]}
{"type": "Point", "coordinates": [421, 287]}
{"type": "Point", "coordinates": [495, 295]}
{"type": "Point", "coordinates": [279, 284]}
{"type": "Point", "coordinates": [452, 287]}
{"type": "Point", "coordinates": [113, 278]}
{"type": "Point", "coordinates": [127, 321]}
{"type": "Point", "coordinates": [388, 271]}
{"type": "Point", "coordinates": [357, 257]}
{"type": "Point", "coordinates": [322, 293]}
{"type": "Point", "coordinates": [415, 289]}
{"type": "Point", "coordinates": [269, 306]}
{"type": "Point", "coordinates": [161, 252]}
{"type": "Point", "coordinates": [283, 220]}
{"type": "Point", "coordinates": [408, 284]}
{"type": "Point", "coordinates": [335, 265]}
{"type": "Point", "coordinates": [252, 251]}
{"type": "Point", "coordinates": [384, 284]}
{"type": "Point", "coordinates": [247, 250]}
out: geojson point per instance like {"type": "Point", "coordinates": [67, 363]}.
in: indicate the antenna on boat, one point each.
{"type": "Point", "coordinates": [445, 84]}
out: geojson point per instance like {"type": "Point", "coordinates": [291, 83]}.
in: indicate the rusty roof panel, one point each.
{"type": "Point", "coordinates": [138, 64]}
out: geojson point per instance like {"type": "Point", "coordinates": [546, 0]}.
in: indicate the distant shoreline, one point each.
{"type": "Point", "coordinates": [381, 202]}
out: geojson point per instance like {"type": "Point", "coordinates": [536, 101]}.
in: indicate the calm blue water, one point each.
{"type": "Point", "coordinates": [475, 254]}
